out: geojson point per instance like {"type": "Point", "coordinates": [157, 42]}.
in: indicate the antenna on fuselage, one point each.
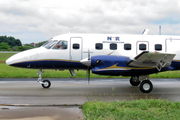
{"type": "Point", "coordinates": [73, 30]}
{"type": "Point", "coordinates": [159, 30]}
{"type": "Point", "coordinates": [145, 32]}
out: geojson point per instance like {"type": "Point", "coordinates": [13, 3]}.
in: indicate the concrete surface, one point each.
{"type": "Point", "coordinates": [24, 99]}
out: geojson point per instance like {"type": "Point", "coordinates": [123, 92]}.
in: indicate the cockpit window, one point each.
{"type": "Point", "coordinates": [50, 43]}
{"type": "Point", "coordinates": [45, 43]}
{"type": "Point", "coordinates": [61, 45]}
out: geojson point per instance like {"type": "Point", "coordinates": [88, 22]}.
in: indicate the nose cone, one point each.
{"type": "Point", "coordinates": [9, 61]}
{"type": "Point", "coordinates": [14, 59]}
{"type": "Point", "coordinates": [19, 59]}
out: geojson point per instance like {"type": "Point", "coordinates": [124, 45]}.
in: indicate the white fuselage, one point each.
{"type": "Point", "coordinates": [80, 46]}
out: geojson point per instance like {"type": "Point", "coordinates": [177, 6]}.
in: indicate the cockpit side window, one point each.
{"type": "Point", "coordinates": [62, 44]}
{"type": "Point", "coordinates": [50, 44]}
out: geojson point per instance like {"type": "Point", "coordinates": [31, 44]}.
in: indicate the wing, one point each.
{"type": "Point", "coordinates": [152, 59]}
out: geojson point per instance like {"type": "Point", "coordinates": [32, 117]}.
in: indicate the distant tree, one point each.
{"type": "Point", "coordinates": [41, 43]}
{"type": "Point", "coordinates": [18, 42]}
{"type": "Point", "coordinates": [3, 39]}
{"type": "Point", "coordinates": [19, 48]}
{"type": "Point", "coordinates": [15, 44]}
{"type": "Point", "coordinates": [10, 40]}
{"type": "Point", "coordinates": [14, 48]}
{"type": "Point", "coordinates": [4, 46]}
{"type": "Point", "coordinates": [27, 47]}
{"type": "Point", "coordinates": [22, 48]}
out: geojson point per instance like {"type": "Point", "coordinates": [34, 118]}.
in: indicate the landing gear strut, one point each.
{"type": "Point", "coordinates": [44, 83]}
{"type": "Point", "coordinates": [144, 83]}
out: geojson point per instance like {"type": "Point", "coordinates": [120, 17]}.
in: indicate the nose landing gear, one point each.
{"type": "Point", "coordinates": [44, 83]}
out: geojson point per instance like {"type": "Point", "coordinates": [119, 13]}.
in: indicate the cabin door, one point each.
{"type": "Point", "coordinates": [76, 49]}
{"type": "Point", "coordinates": [172, 46]}
{"type": "Point", "coordinates": [142, 46]}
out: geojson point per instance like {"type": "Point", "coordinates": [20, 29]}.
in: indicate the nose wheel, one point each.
{"type": "Point", "coordinates": [46, 84]}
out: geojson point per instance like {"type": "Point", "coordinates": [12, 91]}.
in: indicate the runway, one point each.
{"type": "Point", "coordinates": [78, 91]}
{"type": "Point", "coordinates": [69, 93]}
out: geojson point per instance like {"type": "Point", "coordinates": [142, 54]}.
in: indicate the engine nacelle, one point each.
{"type": "Point", "coordinates": [109, 64]}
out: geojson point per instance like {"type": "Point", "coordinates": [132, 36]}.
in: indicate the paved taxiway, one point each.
{"type": "Point", "coordinates": [27, 93]}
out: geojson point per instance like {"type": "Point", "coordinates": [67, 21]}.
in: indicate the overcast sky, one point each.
{"type": "Point", "coordinates": [39, 20]}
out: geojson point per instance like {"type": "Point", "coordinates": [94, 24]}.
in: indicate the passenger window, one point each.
{"type": "Point", "coordinates": [113, 46]}
{"type": "Point", "coordinates": [142, 46]}
{"type": "Point", "coordinates": [158, 47]}
{"type": "Point", "coordinates": [76, 46]}
{"type": "Point", "coordinates": [61, 45]}
{"type": "Point", "coordinates": [99, 46]}
{"type": "Point", "coordinates": [127, 46]}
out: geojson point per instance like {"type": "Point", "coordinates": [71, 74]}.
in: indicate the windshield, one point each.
{"type": "Point", "coordinates": [45, 43]}
{"type": "Point", "coordinates": [50, 44]}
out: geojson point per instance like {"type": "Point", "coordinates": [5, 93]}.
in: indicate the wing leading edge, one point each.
{"type": "Point", "coordinates": [152, 59]}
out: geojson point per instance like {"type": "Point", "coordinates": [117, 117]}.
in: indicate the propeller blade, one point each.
{"type": "Point", "coordinates": [88, 55]}
{"type": "Point", "coordinates": [88, 74]}
{"type": "Point", "coordinates": [88, 66]}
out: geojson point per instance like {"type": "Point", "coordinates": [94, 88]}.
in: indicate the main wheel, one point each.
{"type": "Point", "coordinates": [134, 81]}
{"type": "Point", "coordinates": [146, 86]}
{"type": "Point", "coordinates": [46, 84]}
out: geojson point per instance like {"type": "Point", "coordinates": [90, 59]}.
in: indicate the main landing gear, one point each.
{"type": "Point", "coordinates": [144, 83]}
{"type": "Point", "coordinates": [44, 83]}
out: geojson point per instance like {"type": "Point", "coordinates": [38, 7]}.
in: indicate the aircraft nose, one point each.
{"type": "Point", "coordinates": [17, 59]}
{"type": "Point", "coordinates": [14, 59]}
{"type": "Point", "coordinates": [9, 61]}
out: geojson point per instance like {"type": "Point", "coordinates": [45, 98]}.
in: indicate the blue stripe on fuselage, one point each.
{"type": "Point", "coordinates": [175, 65]}
{"type": "Point", "coordinates": [50, 64]}
{"type": "Point", "coordinates": [57, 64]}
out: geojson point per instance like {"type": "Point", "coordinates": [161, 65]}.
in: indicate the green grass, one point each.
{"type": "Point", "coordinates": [143, 109]}
{"type": "Point", "coordinates": [12, 72]}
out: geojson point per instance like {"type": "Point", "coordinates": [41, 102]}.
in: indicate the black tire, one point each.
{"type": "Point", "coordinates": [146, 86]}
{"type": "Point", "coordinates": [46, 84]}
{"type": "Point", "coordinates": [134, 81]}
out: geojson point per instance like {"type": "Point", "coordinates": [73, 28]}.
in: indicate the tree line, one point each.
{"type": "Point", "coordinates": [11, 44]}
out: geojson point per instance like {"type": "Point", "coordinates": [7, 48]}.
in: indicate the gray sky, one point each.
{"type": "Point", "coordinates": [39, 20]}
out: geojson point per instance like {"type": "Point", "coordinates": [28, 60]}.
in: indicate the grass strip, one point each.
{"type": "Point", "coordinates": [143, 109]}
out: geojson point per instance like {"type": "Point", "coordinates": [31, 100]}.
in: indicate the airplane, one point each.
{"type": "Point", "coordinates": [136, 55]}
